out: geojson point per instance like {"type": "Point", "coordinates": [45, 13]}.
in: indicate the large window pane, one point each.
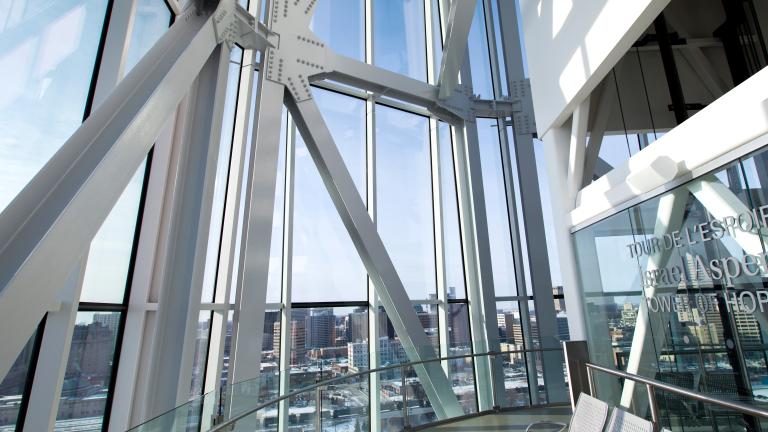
{"type": "Point", "coordinates": [327, 340]}
{"type": "Point", "coordinates": [404, 201]}
{"type": "Point", "coordinates": [275, 277]}
{"type": "Point", "coordinates": [326, 266]}
{"type": "Point", "coordinates": [437, 36]}
{"type": "Point", "coordinates": [150, 22]}
{"type": "Point", "coordinates": [89, 368]}
{"type": "Point", "coordinates": [202, 336]}
{"type": "Point", "coordinates": [391, 352]}
{"type": "Point", "coordinates": [222, 175]}
{"type": "Point", "coordinates": [452, 253]}
{"type": "Point", "coordinates": [461, 371]}
{"type": "Point", "coordinates": [547, 215]}
{"type": "Point", "coordinates": [12, 386]}
{"type": "Point", "coordinates": [47, 55]}
{"type": "Point", "coordinates": [109, 258]}
{"type": "Point", "coordinates": [500, 50]}
{"type": "Point", "coordinates": [341, 24]}
{"type": "Point", "coordinates": [326, 343]}
{"type": "Point", "coordinates": [496, 209]}
{"type": "Point", "coordinates": [479, 56]}
{"type": "Point", "coordinates": [399, 37]}
{"type": "Point", "coordinates": [512, 339]}
{"type": "Point", "coordinates": [276, 245]}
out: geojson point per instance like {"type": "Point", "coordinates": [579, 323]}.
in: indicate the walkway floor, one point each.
{"type": "Point", "coordinates": [515, 420]}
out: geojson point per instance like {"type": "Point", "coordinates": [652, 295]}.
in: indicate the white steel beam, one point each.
{"type": "Point", "coordinates": [131, 384]}
{"type": "Point", "coordinates": [386, 83]}
{"type": "Point", "coordinates": [528, 177]}
{"type": "Point", "coordinates": [184, 263]}
{"type": "Point", "coordinates": [52, 360]}
{"type": "Point", "coordinates": [669, 217]}
{"type": "Point", "coordinates": [711, 133]}
{"type": "Point", "coordinates": [515, 231]}
{"type": "Point", "coordinates": [374, 255]}
{"type": "Point", "coordinates": [721, 202]}
{"type": "Point", "coordinates": [477, 256]}
{"type": "Point", "coordinates": [286, 286]}
{"type": "Point", "coordinates": [255, 243]}
{"type": "Point", "coordinates": [232, 210]}
{"type": "Point", "coordinates": [255, 246]}
{"type": "Point", "coordinates": [437, 200]}
{"type": "Point", "coordinates": [48, 226]}
{"type": "Point", "coordinates": [112, 65]}
{"type": "Point", "coordinates": [602, 99]}
{"type": "Point", "coordinates": [455, 48]}
{"type": "Point", "coordinates": [556, 150]}
{"type": "Point", "coordinates": [378, 80]}
{"type": "Point", "coordinates": [694, 55]}
{"type": "Point", "coordinates": [374, 332]}
{"type": "Point", "coordinates": [176, 6]}
{"type": "Point", "coordinates": [577, 149]}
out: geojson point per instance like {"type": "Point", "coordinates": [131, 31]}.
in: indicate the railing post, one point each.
{"type": "Point", "coordinates": [492, 361]}
{"type": "Point", "coordinates": [652, 404]}
{"type": "Point", "coordinates": [404, 395]}
{"type": "Point", "coordinates": [576, 355]}
{"type": "Point", "coordinates": [318, 409]}
{"type": "Point", "coordinates": [591, 380]}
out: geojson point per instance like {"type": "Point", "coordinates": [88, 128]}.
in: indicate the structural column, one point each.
{"type": "Point", "coordinates": [556, 150]}
{"type": "Point", "coordinates": [184, 262]}
{"type": "Point", "coordinates": [538, 255]}
{"type": "Point", "coordinates": [54, 354]}
{"type": "Point", "coordinates": [255, 246]}
{"type": "Point", "coordinates": [477, 256]}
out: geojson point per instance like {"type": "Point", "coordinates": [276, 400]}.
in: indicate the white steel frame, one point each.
{"type": "Point", "coordinates": [61, 209]}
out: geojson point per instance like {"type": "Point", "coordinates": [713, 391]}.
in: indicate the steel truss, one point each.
{"type": "Point", "coordinates": [48, 227]}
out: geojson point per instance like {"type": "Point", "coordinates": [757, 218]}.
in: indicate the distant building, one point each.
{"type": "Point", "coordinates": [559, 302]}
{"type": "Point", "coordinates": [628, 315]}
{"type": "Point", "coordinates": [358, 356]}
{"type": "Point", "coordinates": [357, 326]}
{"type": "Point", "coordinates": [320, 328]}
{"type": "Point", "coordinates": [109, 320]}
{"type": "Point", "coordinates": [298, 348]}
{"type": "Point", "coordinates": [562, 326]}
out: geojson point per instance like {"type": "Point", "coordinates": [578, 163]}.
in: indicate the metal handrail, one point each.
{"type": "Point", "coordinates": [233, 420]}
{"type": "Point", "coordinates": [651, 384]}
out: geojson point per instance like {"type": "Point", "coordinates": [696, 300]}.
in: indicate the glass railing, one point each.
{"type": "Point", "coordinates": [203, 412]}
{"type": "Point", "coordinates": [327, 399]}
{"type": "Point", "coordinates": [343, 402]}
{"type": "Point", "coordinates": [669, 402]}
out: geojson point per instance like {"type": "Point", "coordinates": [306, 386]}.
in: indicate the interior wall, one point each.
{"type": "Point", "coordinates": [571, 46]}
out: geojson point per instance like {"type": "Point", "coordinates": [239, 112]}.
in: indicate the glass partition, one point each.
{"type": "Point", "coordinates": [675, 289]}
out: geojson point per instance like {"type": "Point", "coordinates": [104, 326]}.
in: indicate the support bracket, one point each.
{"type": "Point", "coordinates": [233, 24]}
{"type": "Point", "coordinates": [299, 53]}
{"type": "Point", "coordinates": [459, 102]}
{"type": "Point", "coordinates": [520, 91]}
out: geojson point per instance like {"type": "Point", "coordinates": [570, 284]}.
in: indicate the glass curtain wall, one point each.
{"type": "Point", "coordinates": [401, 160]}
{"type": "Point", "coordinates": [393, 153]}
